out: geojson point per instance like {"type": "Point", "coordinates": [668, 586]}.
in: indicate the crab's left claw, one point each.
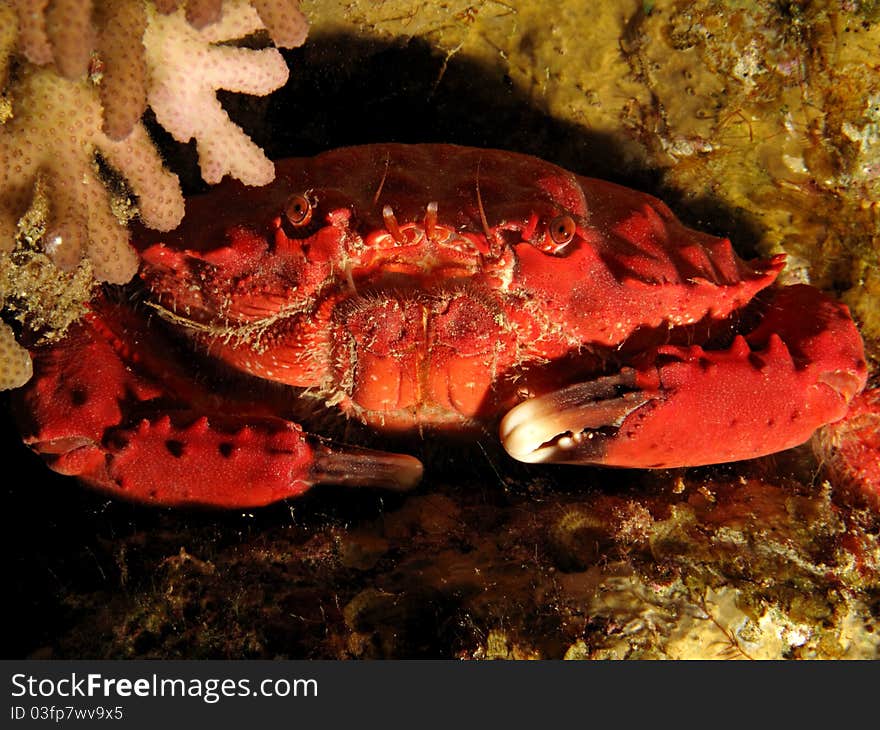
{"type": "Point", "coordinates": [686, 406]}
{"type": "Point", "coordinates": [571, 424]}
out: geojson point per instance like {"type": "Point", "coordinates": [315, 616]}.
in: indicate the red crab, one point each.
{"type": "Point", "coordinates": [432, 287]}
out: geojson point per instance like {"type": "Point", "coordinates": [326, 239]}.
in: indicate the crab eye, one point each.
{"type": "Point", "coordinates": [560, 232]}
{"type": "Point", "coordinates": [298, 210]}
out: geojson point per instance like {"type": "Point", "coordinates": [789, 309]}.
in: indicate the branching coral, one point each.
{"type": "Point", "coordinates": [55, 133]}
{"type": "Point", "coordinates": [15, 363]}
{"type": "Point", "coordinates": [76, 76]}
{"type": "Point", "coordinates": [174, 47]}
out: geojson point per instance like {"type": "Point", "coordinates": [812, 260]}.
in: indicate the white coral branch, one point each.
{"type": "Point", "coordinates": [185, 71]}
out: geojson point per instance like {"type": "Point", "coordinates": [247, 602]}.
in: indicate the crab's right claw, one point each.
{"type": "Point", "coordinates": [353, 466]}
{"type": "Point", "coordinates": [91, 416]}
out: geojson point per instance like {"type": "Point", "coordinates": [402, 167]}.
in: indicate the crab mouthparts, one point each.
{"type": "Point", "coordinates": [571, 425]}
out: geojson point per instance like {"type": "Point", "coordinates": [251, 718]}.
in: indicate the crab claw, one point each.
{"type": "Point", "coordinates": [686, 406]}
{"type": "Point", "coordinates": [220, 461]}
{"type": "Point", "coordinates": [571, 424]}
{"type": "Point", "coordinates": [91, 416]}
{"type": "Point", "coordinates": [352, 466]}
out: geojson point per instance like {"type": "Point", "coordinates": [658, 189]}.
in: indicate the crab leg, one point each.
{"type": "Point", "coordinates": [685, 406]}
